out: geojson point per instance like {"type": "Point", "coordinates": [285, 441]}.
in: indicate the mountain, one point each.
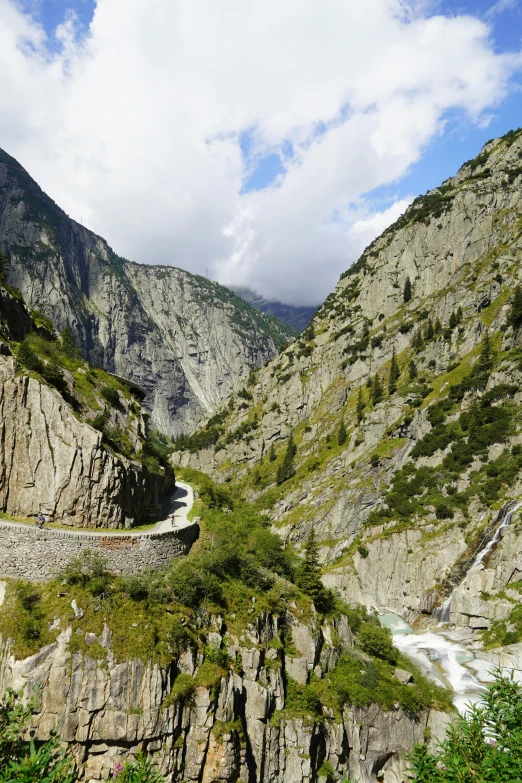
{"type": "Point", "coordinates": [393, 425]}
{"type": "Point", "coordinates": [189, 342]}
{"type": "Point", "coordinates": [296, 318]}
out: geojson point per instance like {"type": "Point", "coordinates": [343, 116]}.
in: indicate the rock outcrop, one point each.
{"type": "Point", "coordinates": [232, 729]}
{"type": "Point", "coordinates": [187, 340]}
{"type": "Point", "coordinates": [50, 461]}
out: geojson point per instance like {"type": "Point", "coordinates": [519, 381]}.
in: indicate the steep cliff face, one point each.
{"type": "Point", "coordinates": [61, 439]}
{"type": "Point", "coordinates": [205, 724]}
{"type": "Point", "coordinates": [187, 340]}
{"type": "Point", "coordinates": [417, 355]}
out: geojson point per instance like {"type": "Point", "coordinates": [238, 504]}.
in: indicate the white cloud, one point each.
{"type": "Point", "coordinates": [135, 128]}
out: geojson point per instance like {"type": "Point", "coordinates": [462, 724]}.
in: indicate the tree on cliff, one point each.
{"type": "Point", "coordinates": [286, 469]}
{"type": "Point", "coordinates": [341, 433]}
{"type": "Point", "coordinates": [4, 264]}
{"type": "Point", "coordinates": [308, 577]}
{"type": "Point", "coordinates": [394, 374]}
{"type": "Point", "coordinates": [515, 316]}
{"type": "Point", "coordinates": [406, 294]}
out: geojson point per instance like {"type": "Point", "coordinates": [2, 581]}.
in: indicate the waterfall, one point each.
{"type": "Point", "coordinates": [442, 613]}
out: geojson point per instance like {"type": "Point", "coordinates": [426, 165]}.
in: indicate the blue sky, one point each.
{"type": "Point", "coordinates": [266, 141]}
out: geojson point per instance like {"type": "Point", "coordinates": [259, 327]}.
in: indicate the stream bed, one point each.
{"type": "Point", "coordinates": [446, 662]}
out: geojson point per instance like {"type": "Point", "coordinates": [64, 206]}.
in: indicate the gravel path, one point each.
{"type": "Point", "coordinates": [177, 509]}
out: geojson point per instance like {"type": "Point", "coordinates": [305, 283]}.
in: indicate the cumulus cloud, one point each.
{"type": "Point", "coordinates": [136, 127]}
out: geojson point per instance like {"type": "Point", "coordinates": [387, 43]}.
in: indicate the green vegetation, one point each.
{"type": "Point", "coordinates": [485, 745]}
{"type": "Point", "coordinates": [286, 468]}
{"type": "Point", "coordinates": [308, 576]}
{"type": "Point", "coordinates": [341, 433]}
{"type": "Point", "coordinates": [407, 291]}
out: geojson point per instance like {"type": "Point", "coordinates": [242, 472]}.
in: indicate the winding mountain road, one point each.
{"type": "Point", "coordinates": [177, 509]}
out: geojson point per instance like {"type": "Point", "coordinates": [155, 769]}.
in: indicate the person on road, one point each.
{"type": "Point", "coordinates": [40, 520]}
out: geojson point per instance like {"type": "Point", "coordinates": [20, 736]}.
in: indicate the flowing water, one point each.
{"type": "Point", "coordinates": [442, 613]}
{"type": "Point", "coordinates": [443, 660]}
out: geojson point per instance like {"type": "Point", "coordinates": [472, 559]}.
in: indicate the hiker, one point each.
{"type": "Point", "coordinates": [40, 521]}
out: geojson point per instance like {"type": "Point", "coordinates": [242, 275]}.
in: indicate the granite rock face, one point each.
{"type": "Point", "coordinates": [461, 249]}
{"type": "Point", "coordinates": [53, 462]}
{"type": "Point", "coordinates": [236, 730]}
{"type": "Point", "coordinates": [185, 339]}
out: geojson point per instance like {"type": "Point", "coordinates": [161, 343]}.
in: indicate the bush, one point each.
{"type": "Point", "coordinates": [28, 358]}
{"type": "Point", "coordinates": [90, 571]}
{"type": "Point", "coordinates": [377, 641]}
{"type": "Point", "coordinates": [483, 745]}
{"type": "Point", "coordinates": [110, 394]}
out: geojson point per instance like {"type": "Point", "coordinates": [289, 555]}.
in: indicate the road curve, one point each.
{"type": "Point", "coordinates": [176, 509]}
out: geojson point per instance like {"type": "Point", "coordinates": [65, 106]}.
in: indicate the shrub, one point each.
{"type": "Point", "coordinates": [483, 745]}
{"type": "Point", "coordinates": [28, 358]}
{"type": "Point", "coordinates": [407, 290]}
{"type": "Point", "coordinates": [89, 570]}
{"type": "Point", "coordinates": [377, 641]}
{"type": "Point", "coordinates": [110, 394]}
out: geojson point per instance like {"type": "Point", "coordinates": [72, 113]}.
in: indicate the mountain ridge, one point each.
{"type": "Point", "coordinates": [189, 347]}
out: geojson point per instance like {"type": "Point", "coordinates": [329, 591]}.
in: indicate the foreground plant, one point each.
{"type": "Point", "coordinates": [485, 745]}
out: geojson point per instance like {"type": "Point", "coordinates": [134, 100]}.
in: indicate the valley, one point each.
{"type": "Point", "coordinates": [347, 565]}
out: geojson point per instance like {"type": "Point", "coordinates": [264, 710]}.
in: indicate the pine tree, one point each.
{"type": "Point", "coordinates": [308, 577]}
{"type": "Point", "coordinates": [376, 391]}
{"type": "Point", "coordinates": [438, 326]}
{"type": "Point", "coordinates": [271, 454]}
{"type": "Point", "coordinates": [341, 433]}
{"type": "Point", "coordinates": [486, 356]}
{"type": "Point", "coordinates": [286, 469]}
{"type": "Point", "coordinates": [412, 370]}
{"type": "Point", "coordinates": [69, 347]}
{"type": "Point", "coordinates": [460, 315]}
{"type": "Point", "coordinates": [406, 295]}
{"type": "Point", "coordinates": [429, 332]}
{"type": "Point", "coordinates": [4, 264]}
{"type": "Point", "coordinates": [417, 340]}
{"type": "Point", "coordinates": [360, 405]}
{"type": "Point", "coordinates": [515, 316]}
{"type": "Point", "coordinates": [453, 321]}
{"type": "Point", "coordinates": [394, 374]}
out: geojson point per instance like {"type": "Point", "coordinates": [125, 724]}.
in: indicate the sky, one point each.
{"type": "Point", "coordinates": [264, 143]}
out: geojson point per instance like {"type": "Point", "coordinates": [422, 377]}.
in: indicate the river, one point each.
{"type": "Point", "coordinates": [439, 652]}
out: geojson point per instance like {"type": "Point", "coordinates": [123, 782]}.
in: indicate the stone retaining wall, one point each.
{"type": "Point", "coordinates": [29, 553]}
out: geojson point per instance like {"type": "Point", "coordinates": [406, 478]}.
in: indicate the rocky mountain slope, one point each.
{"type": "Point", "coordinates": [296, 317]}
{"type": "Point", "coordinates": [186, 340]}
{"type": "Point", "coordinates": [393, 425]}
{"type": "Point", "coordinates": [73, 440]}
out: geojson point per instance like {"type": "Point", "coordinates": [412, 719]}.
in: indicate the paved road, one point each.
{"type": "Point", "coordinates": [179, 505]}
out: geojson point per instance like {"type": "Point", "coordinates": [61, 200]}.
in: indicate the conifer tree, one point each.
{"type": "Point", "coordinates": [429, 332]}
{"type": "Point", "coordinates": [406, 295]}
{"type": "Point", "coordinates": [271, 454]}
{"type": "Point", "coordinates": [394, 374]}
{"type": "Point", "coordinates": [515, 316]}
{"type": "Point", "coordinates": [286, 469]}
{"type": "Point", "coordinates": [453, 321]}
{"type": "Point", "coordinates": [412, 370]}
{"type": "Point", "coordinates": [486, 356]}
{"type": "Point", "coordinates": [437, 327]}
{"type": "Point", "coordinates": [417, 340]}
{"type": "Point", "coordinates": [460, 315]}
{"type": "Point", "coordinates": [308, 577]}
{"type": "Point", "coordinates": [360, 405]}
{"type": "Point", "coordinates": [376, 391]}
{"type": "Point", "coordinates": [341, 433]}
{"type": "Point", "coordinates": [4, 263]}
{"type": "Point", "coordinates": [69, 347]}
